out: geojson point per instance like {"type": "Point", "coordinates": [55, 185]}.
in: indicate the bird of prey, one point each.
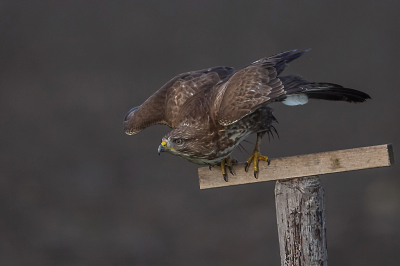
{"type": "Point", "coordinates": [212, 110]}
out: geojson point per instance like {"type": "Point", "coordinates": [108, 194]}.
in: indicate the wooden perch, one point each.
{"type": "Point", "coordinates": [299, 196]}
{"type": "Point", "coordinates": [302, 165]}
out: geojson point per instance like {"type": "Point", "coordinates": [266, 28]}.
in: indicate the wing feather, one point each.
{"type": "Point", "coordinates": [245, 91]}
{"type": "Point", "coordinates": [251, 87]}
{"type": "Point", "coordinates": [164, 106]}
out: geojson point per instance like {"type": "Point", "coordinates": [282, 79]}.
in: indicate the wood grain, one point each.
{"type": "Point", "coordinates": [302, 165]}
{"type": "Point", "coordinates": [300, 214]}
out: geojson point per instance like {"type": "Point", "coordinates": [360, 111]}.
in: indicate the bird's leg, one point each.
{"type": "Point", "coordinates": [229, 163]}
{"type": "Point", "coordinates": [223, 170]}
{"type": "Point", "coordinates": [256, 156]}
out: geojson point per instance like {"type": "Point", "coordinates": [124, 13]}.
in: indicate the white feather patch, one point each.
{"type": "Point", "coordinates": [295, 99]}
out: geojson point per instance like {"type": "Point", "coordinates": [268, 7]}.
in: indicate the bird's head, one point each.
{"type": "Point", "coordinates": [185, 141]}
{"type": "Point", "coordinates": [177, 141]}
{"type": "Point", "coordinates": [172, 145]}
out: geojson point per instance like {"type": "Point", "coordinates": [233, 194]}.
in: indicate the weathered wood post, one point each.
{"type": "Point", "coordinates": [300, 214]}
{"type": "Point", "coordinates": [300, 203]}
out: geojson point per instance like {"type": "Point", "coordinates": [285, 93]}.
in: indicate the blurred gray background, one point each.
{"type": "Point", "coordinates": [75, 190]}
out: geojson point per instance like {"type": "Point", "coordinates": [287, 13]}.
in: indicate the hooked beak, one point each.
{"type": "Point", "coordinates": [162, 147]}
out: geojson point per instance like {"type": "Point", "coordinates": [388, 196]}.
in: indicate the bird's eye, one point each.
{"type": "Point", "coordinates": [179, 141]}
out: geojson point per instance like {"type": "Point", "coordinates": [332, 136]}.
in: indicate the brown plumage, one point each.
{"type": "Point", "coordinates": [211, 111]}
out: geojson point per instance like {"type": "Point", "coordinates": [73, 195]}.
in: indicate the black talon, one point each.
{"type": "Point", "coordinates": [230, 170]}
{"type": "Point", "coordinates": [268, 161]}
{"type": "Point", "coordinates": [225, 177]}
{"type": "Point", "coordinates": [209, 166]}
{"type": "Point", "coordinates": [256, 174]}
{"type": "Point", "coordinates": [246, 167]}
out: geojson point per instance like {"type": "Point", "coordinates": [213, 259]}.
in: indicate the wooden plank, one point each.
{"type": "Point", "coordinates": [302, 165]}
{"type": "Point", "coordinates": [300, 214]}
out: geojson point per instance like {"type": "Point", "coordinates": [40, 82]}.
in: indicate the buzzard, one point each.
{"type": "Point", "coordinates": [212, 110]}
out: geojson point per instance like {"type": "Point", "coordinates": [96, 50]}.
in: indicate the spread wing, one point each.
{"type": "Point", "coordinates": [249, 88]}
{"type": "Point", "coordinates": [164, 106]}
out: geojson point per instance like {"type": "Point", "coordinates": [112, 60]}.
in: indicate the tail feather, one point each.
{"type": "Point", "coordinates": [319, 90]}
{"type": "Point", "coordinates": [339, 94]}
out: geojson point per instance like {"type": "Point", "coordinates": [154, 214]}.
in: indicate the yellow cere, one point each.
{"type": "Point", "coordinates": [164, 144]}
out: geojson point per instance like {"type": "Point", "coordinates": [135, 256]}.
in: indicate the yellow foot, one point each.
{"type": "Point", "coordinates": [229, 163]}
{"type": "Point", "coordinates": [256, 157]}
